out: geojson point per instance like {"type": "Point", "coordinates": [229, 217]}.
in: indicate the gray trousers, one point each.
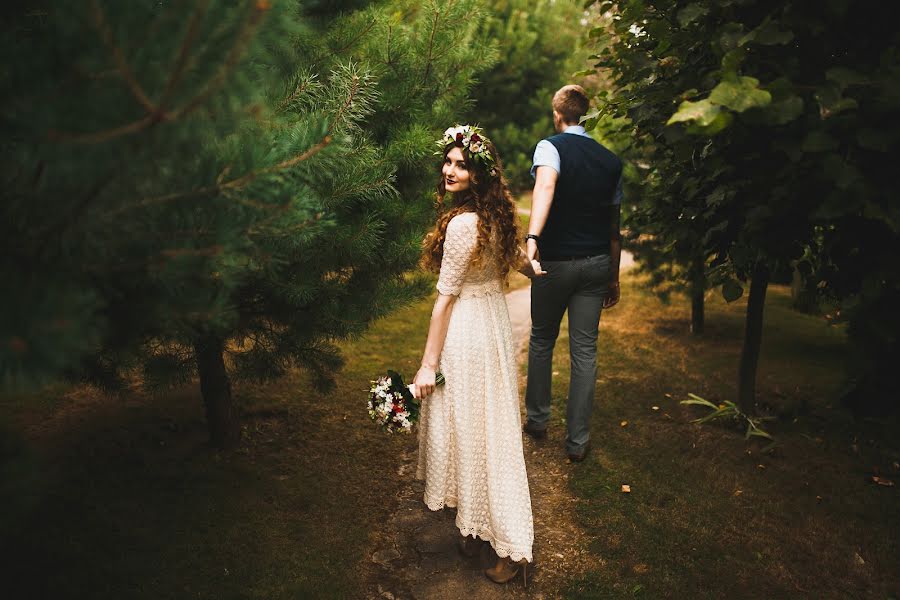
{"type": "Point", "coordinates": [579, 285]}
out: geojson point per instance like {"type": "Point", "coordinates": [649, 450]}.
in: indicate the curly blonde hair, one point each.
{"type": "Point", "coordinates": [489, 197]}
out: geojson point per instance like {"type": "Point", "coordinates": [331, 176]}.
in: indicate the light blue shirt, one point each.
{"type": "Point", "coordinates": [546, 155]}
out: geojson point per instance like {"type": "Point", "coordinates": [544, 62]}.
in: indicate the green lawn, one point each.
{"type": "Point", "coordinates": [709, 514]}
{"type": "Point", "coordinates": [122, 498]}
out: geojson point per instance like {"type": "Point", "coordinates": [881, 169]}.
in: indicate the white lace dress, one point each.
{"type": "Point", "coordinates": [470, 434]}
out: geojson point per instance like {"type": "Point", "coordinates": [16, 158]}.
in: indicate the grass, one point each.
{"type": "Point", "coordinates": [711, 515]}
{"type": "Point", "coordinates": [122, 498]}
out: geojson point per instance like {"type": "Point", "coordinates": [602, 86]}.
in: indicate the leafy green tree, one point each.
{"type": "Point", "coordinates": [540, 47]}
{"type": "Point", "coordinates": [764, 125]}
{"type": "Point", "coordinates": [226, 201]}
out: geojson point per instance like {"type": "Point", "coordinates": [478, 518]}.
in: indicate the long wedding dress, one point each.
{"type": "Point", "coordinates": [470, 434]}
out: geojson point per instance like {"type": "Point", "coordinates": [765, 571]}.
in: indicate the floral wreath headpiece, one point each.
{"type": "Point", "coordinates": [471, 138]}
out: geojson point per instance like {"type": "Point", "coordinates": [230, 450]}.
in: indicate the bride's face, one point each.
{"type": "Point", "coordinates": [455, 171]}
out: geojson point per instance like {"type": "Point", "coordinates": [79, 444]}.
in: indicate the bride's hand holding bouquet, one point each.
{"type": "Point", "coordinates": [424, 382]}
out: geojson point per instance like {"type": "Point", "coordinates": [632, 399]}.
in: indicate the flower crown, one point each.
{"type": "Point", "coordinates": [471, 138]}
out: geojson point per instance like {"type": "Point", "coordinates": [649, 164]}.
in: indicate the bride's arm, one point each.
{"type": "Point", "coordinates": [437, 333]}
{"type": "Point", "coordinates": [529, 268]}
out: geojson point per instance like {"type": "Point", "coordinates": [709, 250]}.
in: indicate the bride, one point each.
{"type": "Point", "coordinates": [470, 440]}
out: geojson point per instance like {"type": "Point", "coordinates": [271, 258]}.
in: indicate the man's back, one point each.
{"type": "Point", "coordinates": [579, 219]}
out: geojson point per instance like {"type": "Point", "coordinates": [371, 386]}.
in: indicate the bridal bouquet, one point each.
{"type": "Point", "coordinates": [392, 404]}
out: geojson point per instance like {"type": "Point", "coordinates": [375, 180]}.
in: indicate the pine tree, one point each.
{"type": "Point", "coordinates": [221, 193]}
{"type": "Point", "coordinates": [540, 45]}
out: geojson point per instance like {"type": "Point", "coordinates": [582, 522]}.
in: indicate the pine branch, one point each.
{"type": "Point", "coordinates": [189, 37]}
{"type": "Point", "coordinates": [228, 185]}
{"type": "Point", "coordinates": [353, 41]}
{"type": "Point", "coordinates": [298, 91]}
{"type": "Point", "coordinates": [428, 60]}
{"type": "Point", "coordinates": [231, 61]}
{"type": "Point", "coordinates": [156, 114]}
{"type": "Point", "coordinates": [354, 89]}
{"type": "Point", "coordinates": [124, 70]}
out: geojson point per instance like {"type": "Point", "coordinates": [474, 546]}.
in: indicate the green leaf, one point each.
{"type": "Point", "coordinates": [732, 60]}
{"type": "Point", "coordinates": [752, 431]}
{"type": "Point", "coordinates": [731, 36]}
{"type": "Point", "coordinates": [720, 122]}
{"type": "Point", "coordinates": [740, 94]}
{"type": "Point", "coordinates": [844, 174]}
{"type": "Point", "coordinates": [831, 101]}
{"type": "Point", "coordinates": [584, 73]}
{"type": "Point", "coordinates": [732, 290]}
{"type": "Point", "coordinates": [872, 139]}
{"type": "Point", "coordinates": [691, 13]}
{"type": "Point", "coordinates": [844, 77]}
{"type": "Point", "coordinates": [818, 141]}
{"type": "Point", "coordinates": [768, 34]}
{"type": "Point", "coordinates": [695, 399]}
{"type": "Point", "coordinates": [785, 111]}
{"type": "Point", "coordinates": [703, 112]}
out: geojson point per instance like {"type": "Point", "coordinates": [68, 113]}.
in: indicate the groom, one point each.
{"type": "Point", "coordinates": [574, 233]}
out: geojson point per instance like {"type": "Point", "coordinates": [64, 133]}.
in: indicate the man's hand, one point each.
{"type": "Point", "coordinates": [612, 295]}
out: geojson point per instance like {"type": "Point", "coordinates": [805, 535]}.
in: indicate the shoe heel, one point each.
{"type": "Point", "coordinates": [525, 575]}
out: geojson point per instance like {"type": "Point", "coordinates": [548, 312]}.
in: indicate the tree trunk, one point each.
{"type": "Point", "coordinates": [752, 338]}
{"type": "Point", "coordinates": [221, 414]}
{"type": "Point", "coordinates": [698, 291]}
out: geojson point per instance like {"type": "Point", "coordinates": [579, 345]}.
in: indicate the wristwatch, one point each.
{"type": "Point", "coordinates": [532, 236]}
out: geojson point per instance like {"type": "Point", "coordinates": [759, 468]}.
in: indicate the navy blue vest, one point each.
{"type": "Point", "coordinates": [579, 221]}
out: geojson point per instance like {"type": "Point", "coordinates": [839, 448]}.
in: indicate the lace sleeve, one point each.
{"type": "Point", "coordinates": [459, 244]}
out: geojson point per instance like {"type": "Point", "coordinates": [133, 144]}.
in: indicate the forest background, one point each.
{"type": "Point", "coordinates": [210, 195]}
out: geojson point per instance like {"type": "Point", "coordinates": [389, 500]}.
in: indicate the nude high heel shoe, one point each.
{"type": "Point", "coordinates": [505, 570]}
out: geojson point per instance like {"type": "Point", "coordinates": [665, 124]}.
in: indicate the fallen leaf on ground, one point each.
{"type": "Point", "coordinates": [623, 423]}
{"type": "Point", "coordinates": [668, 395]}
{"type": "Point", "coordinates": [626, 489]}
{"type": "Point", "coordinates": [738, 492]}
{"type": "Point", "coordinates": [882, 481]}
{"type": "Point", "coordinates": [655, 407]}
{"type": "Point", "coordinates": [760, 466]}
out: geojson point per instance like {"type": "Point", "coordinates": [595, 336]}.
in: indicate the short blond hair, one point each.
{"type": "Point", "coordinates": [571, 102]}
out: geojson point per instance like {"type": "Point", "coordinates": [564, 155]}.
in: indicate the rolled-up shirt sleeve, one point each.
{"type": "Point", "coordinates": [545, 155]}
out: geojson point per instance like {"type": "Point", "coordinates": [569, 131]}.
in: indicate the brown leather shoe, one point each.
{"type": "Point", "coordinates": [533, 430]}
{"type": "Point", "coordinates": [580, 456]}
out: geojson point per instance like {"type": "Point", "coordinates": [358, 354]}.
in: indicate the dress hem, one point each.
{"type": "Point", "coordinates": [503, 549]}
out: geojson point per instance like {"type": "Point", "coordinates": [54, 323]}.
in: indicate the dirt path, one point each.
{"type": "Point", "coordinates": [416, 554]}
